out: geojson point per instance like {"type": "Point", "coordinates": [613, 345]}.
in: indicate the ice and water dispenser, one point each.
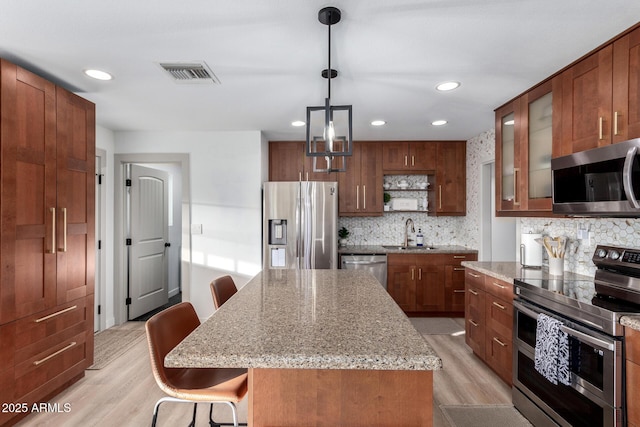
{"type": "Point", "coordinates": [277, 243]}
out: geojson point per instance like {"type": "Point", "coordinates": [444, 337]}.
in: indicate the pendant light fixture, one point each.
{"type": "Point", "coordinates": [329, 127]}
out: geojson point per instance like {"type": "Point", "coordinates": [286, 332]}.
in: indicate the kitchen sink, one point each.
{"type": "Point", "coordinates": [398, 247]}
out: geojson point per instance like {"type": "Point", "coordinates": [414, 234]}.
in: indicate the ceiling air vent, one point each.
{"type": "Point", "coordinates": [190, 72]}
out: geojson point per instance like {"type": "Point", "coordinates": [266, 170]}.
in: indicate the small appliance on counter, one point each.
{"type": "Point", "coordinates": [530, 250]}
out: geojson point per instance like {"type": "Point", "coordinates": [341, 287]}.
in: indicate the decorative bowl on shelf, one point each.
{"type": "Point", "coordinates": [402, 184]}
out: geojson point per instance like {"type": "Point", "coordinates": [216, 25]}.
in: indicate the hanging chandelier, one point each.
{"type": "Point", "coordinates": [329, 127]}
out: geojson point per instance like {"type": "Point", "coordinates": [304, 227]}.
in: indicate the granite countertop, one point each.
{"type": "Point", "coordinates": [308, 319]}
{"type": "Point", "coordinates": [379, 249]}
{"type": "Point", "coordinates": [508, 271]}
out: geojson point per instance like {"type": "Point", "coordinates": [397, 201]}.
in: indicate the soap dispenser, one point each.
{"type": "Point", "coordinates": [419, 238]}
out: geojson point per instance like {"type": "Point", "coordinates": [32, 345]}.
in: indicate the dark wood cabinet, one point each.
{"type": "Point", "coordinates": [427, 283]}
{"type": "Point", "coordinates": [409, 157]}
{"type": "Point", "coordinates": [632, 356]}
{"type": "Point", "coordinates": [47, 173]}
{"type": "Point", "coordinates": [489, 321]}
{"type": "Point", "coordinates": [451, 178]}
{"type": "Point", "coordinates": [288, 162]}
{"type": "Point", "coordinates": [600, 103]}
{"type": "Point", "coordinates": [526, 129]}
{"type": "Point", "coordinates": [475, 312]}
{"type": "Point", "coordinates": [360, 187]}
{"type": "Point", "coordinates": [401, 280]}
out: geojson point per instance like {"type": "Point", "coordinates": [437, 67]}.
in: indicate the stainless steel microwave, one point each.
{"type": "Point", "coordinates": [604, 181]}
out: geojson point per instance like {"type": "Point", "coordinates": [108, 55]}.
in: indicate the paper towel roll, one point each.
{"type": "Point", "coordinates": [530, 250]}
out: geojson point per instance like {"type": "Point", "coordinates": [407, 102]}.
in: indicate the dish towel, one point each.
{"type": "Point", "coordinates": [552, 351]}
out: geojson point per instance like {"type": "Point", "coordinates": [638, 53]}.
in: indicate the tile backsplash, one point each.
{"type": "Point", "coordinates": [465, 231]}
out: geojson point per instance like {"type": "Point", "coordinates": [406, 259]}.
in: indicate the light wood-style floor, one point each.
{"type": "Point", "coordinates": [124, 392]}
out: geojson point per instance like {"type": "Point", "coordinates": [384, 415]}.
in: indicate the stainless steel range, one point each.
{"type": "Point", "coordinates": [589, 312]}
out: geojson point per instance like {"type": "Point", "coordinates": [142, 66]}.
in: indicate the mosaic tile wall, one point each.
{"type": "Point", "coordinates": [465, 231]}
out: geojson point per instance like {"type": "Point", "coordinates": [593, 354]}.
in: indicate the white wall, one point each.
{"type": "Point", "coordinates": [105, 139]}
{"type": "Point", "coordinates": [226, 174]}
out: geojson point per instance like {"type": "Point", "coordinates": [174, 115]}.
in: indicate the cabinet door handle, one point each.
{"type": "Point", "coordinates": [419, 274]}
{"type": "Point", "coordinates": [474, 275]}
{"type": "Point", "coordinates": [459, 257]}
{"type": "Point", "coordinates": [64, 231]}
{"type": "Point", "coordinates": [440, 196]}
{"type": "Point", "coordinates": [38, 362]}
{"type": "Point", "coordinates": [500, 306]}
{"type": "Point", "coordinates": [516, 171]}
{"type": "Point", "coordinates": [307, 176]}
{"type": "Point", "coordinates": [499, 285]}
{"type": "Point", "coordinates": [413, 160]}
{"type": "Point", "coordinates": [458, 291]}
{"type": "Point", "coordinates": [600, 125]}
{"type": "Point", "coordinates": [364, 197]}
{"type": "Point", "coordinates": [473, 292]}
{"type": "Point", "coordinates": [300, 176]}
{"type": "Point", "coordinates": [615, 123]}
{"type": "Point", "coordinates": [357, 197]}
{"type": "Point", "coordinates": [53, 231]}
{"type": "Point", "coordinates": [413, 274]}
{"type": "Point", "coordinates": [406, 162]}
{"type": "Point", "coordinates": [499, 342]}
{"type": "Point", "coordinates": [57, 313]}
{"type": "Point", "coordinates": [458, 268]}
{"type": "Point", "coordinates": [473, 323]}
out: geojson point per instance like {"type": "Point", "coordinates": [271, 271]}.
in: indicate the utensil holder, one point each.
{"type": "Point", "coordinates": [556, 266]}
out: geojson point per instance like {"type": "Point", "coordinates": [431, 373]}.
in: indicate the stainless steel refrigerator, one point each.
{"type": "Point", "coordinates": [300, 225]}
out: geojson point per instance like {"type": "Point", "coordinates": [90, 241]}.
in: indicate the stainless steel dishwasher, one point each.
{"type": "Point", "coordinates": [374, 264]}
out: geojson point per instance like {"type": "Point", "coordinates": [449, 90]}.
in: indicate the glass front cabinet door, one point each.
{"type": "Point", "coordinates": [525, 130]}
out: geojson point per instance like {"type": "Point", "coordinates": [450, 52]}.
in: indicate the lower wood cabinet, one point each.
{"type": "Point", "coordinates": [489, 321]}
{"type": "Point", "coordinates": [428, 283]}
{"type": "Point", "coordinates": [632, 368]}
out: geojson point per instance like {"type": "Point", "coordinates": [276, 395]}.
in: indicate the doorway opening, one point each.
{"type": "Point", "coordinates": [498, 234]}
{"type": "Point", "coordinates": [177, 244]}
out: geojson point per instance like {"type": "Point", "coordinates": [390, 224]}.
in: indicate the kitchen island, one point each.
{"type": "Point", "coordinates": [323, 347]}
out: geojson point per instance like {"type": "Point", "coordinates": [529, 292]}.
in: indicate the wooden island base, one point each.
{"type": "Point", "coordinates": [315, 398]}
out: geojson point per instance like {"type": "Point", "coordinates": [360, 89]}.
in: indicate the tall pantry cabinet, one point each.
{"type": "Point", "coordinates": [47, 183]}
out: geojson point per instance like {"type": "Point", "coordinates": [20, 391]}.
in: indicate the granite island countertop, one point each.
{"type": "Point", "coordinates": [508, 271]}
{"type": "Point", "coordinates": [380, 249]}
{"type": "Point", "coordinates": [308, 319]}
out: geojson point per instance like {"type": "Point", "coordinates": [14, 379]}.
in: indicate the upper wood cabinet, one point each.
{"type": "Point", "coordinates": [525, 131]}
{"type": "Point", "coordinates": [404, 156]}
{"type": "Point", "coordinates": [600, 97]}
{"type": "Point", "coordinates": [451, 178]}
{"type": "Point", "coordinates": [360, 187]}
{"type": "Point", "coordinates": [288, 162]}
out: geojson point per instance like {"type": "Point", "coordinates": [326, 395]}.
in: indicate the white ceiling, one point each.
{"type": "Point", "coordinates": [268, 55]}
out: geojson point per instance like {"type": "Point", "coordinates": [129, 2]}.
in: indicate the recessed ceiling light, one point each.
{"type": "Point", "coordinates": [439, 122]}
{"type": "Point", "coordinates": [98, 74]}
{"type": "Point", "coordinates": [445, 86]}
{"type": "Point", "coordinates": [298, 123]}
{"type": "Point", "coordinates": [378, 123]}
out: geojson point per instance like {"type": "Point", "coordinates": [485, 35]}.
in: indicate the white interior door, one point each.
{"type": "Point", "coordinates": [148, 231]}
{"type": "Point", "coordinates": [97, 312]}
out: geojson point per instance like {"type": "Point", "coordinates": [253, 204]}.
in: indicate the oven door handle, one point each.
{"type": "Point", "coordinates": [570, 331]}
{"type": "Point", "coordinates": [588, 339]}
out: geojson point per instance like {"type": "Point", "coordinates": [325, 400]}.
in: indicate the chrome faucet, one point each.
{"type": "Point", "coordinates": [406, 231]}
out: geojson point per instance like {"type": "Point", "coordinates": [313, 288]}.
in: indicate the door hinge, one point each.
{"type": "Point", "coordinates": [99, 176]}
{"type": "Point", "coordinates": [99, 309]}
{"type": "Point", "coordinates": [128, 242]}
{"type": "Point", "coordinates": [128, 301]}
{"type": "Point", "coordinates": [99, 244]}
{"type": "Point", "coordinates": [127, 183]}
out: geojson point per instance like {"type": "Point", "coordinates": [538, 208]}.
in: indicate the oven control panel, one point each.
{"type": "Point", "coordinates": [611, 255]}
